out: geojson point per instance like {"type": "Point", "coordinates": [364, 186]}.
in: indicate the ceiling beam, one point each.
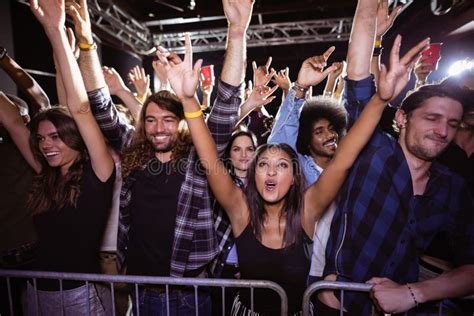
{"type": "Point", "coordinates": [327, 30]}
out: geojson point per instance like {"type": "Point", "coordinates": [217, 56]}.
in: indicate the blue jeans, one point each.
{"type": "Point", "coordinates": [181, 302]}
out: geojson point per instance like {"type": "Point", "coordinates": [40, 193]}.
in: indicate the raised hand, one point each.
{"type": "Point", "coordinates": [160, 71]}
{"type": "Point", "coordinates": [82, 23]}
{"type": "Point", "coordinates": [72, 42]}
{"type": "Point", "coordinates": [140, 80]}
{"type": "Point", "coordinates": [113, 80]}
{"type": "Point", "coordinates": [261, 75]}
{"type": "Point", "coordinates": [312, 70]}
{"type": "Point", "coordinates": [385, 20]}
{"type": "Point", "coordinates": [183, 77]}
{"type": "Point", "coordinates": [261, 95]}
{"type": "Point", "coordinates": [238, 13]}
{"type": "Point", "coordinates": [282, 79]}
{"type": "Point", "coordinates": [422, 69]}
{"type": "Point", "coordinates": [392, 81]}
{"type": "Point", "coordinates": [50, 13]}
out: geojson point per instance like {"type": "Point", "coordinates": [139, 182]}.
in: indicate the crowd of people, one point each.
{"type": "Point", "coordinates": [165, 184]}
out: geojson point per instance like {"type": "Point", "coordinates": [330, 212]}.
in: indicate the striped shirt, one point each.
{"type": "Point", "coordinates": [195, 243]}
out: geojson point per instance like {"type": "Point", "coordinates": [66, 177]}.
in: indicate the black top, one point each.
{"type": "Point", "coordinates": [153, 214]}
{"type": "Point", "coordinates": [289, 267]}
{"type": "Point", "coordinates": [69, 238]}
{"type": "Point", "coordinates": [456, 159]}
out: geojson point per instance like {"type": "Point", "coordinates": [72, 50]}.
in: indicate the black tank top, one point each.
{"type": "Point", "coordinates": [289, 267]}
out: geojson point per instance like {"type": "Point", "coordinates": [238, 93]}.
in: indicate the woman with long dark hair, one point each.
{"type": "Point", "coordinates": [273, 218]}
{"type": "Point", "coordinates": [72, 191]}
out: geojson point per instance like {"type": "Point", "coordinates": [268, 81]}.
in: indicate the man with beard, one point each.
{"type": "Point", "coordinates": [396, 197]}
{"type": "Point", "coordinates": [166, 223]}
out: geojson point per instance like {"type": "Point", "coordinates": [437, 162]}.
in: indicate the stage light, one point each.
{"type": "Point", "coordinates": [459, 66]}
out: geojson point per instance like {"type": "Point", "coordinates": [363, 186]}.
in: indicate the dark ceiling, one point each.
{"type": "Point", "coordinates": [265, 11]}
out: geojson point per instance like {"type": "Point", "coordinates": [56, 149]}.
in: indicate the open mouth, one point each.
{"type": "Point", "coordinates": [270, 185]}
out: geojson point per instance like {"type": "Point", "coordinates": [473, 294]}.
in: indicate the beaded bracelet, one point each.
{"type": "Point", "coordinates": [412, 295]}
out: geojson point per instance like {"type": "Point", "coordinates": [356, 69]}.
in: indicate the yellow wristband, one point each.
{"type": "Point", "coordinates": [85, 46]}
{"type": "Point", "coordinates": [191, 115]}
{"type": "Point", "coordinates": [378, 44]}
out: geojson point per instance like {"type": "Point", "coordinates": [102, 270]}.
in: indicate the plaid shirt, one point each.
{"type": "Point", "coordinates": [195, 243]}
{"type": "Point", "coordinates": [380, 227]}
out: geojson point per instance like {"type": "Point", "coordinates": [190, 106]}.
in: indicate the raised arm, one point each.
{"type": "Point", "coordinates": [384, 23]}
{"type": "Point", "coordinates": [50, 13]}
{"type": "Point", "coordinates": [184, 80]}
{"type": "Point", "coordinates": [312, 72]}
{"type": "Point", "coordinates": [141, 82]}
{"type": "Point", "coordinates": [260, 96]}
{"type": "Point", "coordinates": [362, 39]}
{"type": "Point", "coordinates": [332, 78]}
{"type": "Point", "coordinates": [238, 15]}
{"type": "Point", "coordinates": [118, 88]}
{"type": "Point", "coordinates": [37, 97]}
{"type": "Point", "coordinates": [322, 193]}
{"type": "Point", "coordinates": [12, 121]}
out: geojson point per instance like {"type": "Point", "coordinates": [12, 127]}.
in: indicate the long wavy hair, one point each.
{"type": "Point", "coordinates": [50, 189]}
{"type": "Point", "coordinates": [141, 150]}
{"type": "Point", "coordinates": [293, 200]}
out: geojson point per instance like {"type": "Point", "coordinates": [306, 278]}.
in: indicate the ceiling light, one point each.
{"type": "Point", "coordinates": [459, 66]}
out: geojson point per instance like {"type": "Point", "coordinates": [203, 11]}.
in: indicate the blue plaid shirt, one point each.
{"type": "Point", "coordinates": [195, 243]}
{"type": "Point", "coordinates": [380, 228]}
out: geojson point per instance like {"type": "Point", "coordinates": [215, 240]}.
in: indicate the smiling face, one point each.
{"type": "Point", "coordinates": [324, 139]}
{"type": "Point", "coordinates": [241, 153]}
{"type": "Point", "coordinates": [52, 147]}
{"type": "Point", "coordinates": [161, 128]}
{"type": "Point", "coordinates": [274, 175]}
{"type": "Point", "coordinates": [431, 127]}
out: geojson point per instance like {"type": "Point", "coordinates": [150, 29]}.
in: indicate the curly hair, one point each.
{"type": "Point", "coordinates": [50, 189]}
{"type": "Point", "coordinates": [315, 109]}
{"type": "Point", "coordinates": [141, 151]}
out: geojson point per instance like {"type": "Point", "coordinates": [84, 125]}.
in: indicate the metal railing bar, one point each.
{"type": "Point", "coordinates": [136, 299]}
{"type": "Point", "coordinates": [167, 300]}
{"type": "Point", "coordinates": [196, 303]}
{"type": "Point", "coordinates": [112, 296]}
{"type": "Point", "coordinates": [10, 300]}
{"type": "Point", "coordinates": [251, 299]}
{"type": "Point", "coordinates": [35, 287]}
{"type": "Point", "coordinates": [88, 299]}
{"type": "Point", "coordinates": [223, 300]}
{"type": "Point", "coordinates": [62, 296]}
{"type": "Point", "coordinates": [151, 280]}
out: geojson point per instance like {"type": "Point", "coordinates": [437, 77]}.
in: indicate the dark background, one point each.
{"type": "Point", "coordinates": [27, 44]}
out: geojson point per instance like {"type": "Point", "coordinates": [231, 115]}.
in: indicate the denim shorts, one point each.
{"type": "Point", "coordinates": [71, 302]}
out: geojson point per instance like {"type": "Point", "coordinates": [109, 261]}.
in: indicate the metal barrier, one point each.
{"type": "Point", "coordinates": [345, 286]}
{"type": "Point", "coordinates": [145, 280]}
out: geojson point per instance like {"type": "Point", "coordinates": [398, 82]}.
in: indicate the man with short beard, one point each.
{"type": "Point", "coordinates": [166, 225]}
{"type": "Point", "coordinates": [396, 197]}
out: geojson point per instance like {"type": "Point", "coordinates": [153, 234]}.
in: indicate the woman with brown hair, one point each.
{"type": "Point", "coordinates": [72, 192]}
